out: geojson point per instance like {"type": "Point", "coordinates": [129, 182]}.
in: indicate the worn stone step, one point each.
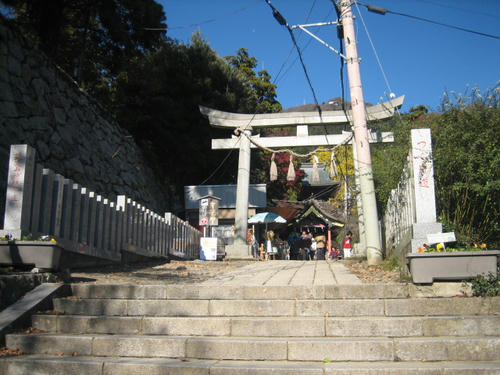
{"type": "Point", "coordinates": [272, 327]}
{"type": "Point", "coordinates": [156, 366]}
{"type": "Point", "coordinates": [134, 291]}
{"type": "Point", "coordinates": [356, 291]}
{"type": "Point", "coordinates": [274, 307]}
{"type": "Point", "coordinates": [262, 348]}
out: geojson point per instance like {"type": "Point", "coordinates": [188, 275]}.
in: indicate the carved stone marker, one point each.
{"type": "Point", "coordinates": [20, 179]}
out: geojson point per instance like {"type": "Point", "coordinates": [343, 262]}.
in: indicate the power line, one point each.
{"type": "Point", "coordinates": [210, 20]}
{"type": "Point", "coordinates": [374, 50]}
{"type": "Point", "coordinates": [303, 49]}
{"type": "Point", "coordinates": [459, 9]}
{"type": "Point", "coordinates": [383, 11]}
{"type": "Point", "coordinates": [281, 20]}
{"type": "Point", "coordinates": [292, 48]}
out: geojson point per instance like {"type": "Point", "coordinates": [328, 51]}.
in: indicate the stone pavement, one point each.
{"type": "Point", "coordinates": [285, 272]}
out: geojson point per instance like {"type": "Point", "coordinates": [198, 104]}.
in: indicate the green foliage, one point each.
{"type": "Point", "coordinates": [158, 103]}
{"type": "Point", "coordinates": [281, 189]}
{"type": "Point", "coordinates": [389, 158]}
{"type": "Point", "coordinates": [484, 286]}
{"type": "Point", "coordinates": [390, 264]}
{"type": "Point", "coordinates": [93, 41]}
{"type": "Point", "coordinates": [118, 52]}
{"type": "Point", "coordinates": [261, 92]}
{"type": "Point", "coordinates": [465, 136]}
{"type": "Point", "coordinates": [466, 151]}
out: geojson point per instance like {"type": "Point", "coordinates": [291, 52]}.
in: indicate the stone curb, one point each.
{"type": "Point", "coordinates": [100, 366]}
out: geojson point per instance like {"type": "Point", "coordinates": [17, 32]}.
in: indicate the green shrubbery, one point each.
{"type": "Point", "coordinates": [466, 153]}
{"type": "Point", "coordinates": [484, 286]}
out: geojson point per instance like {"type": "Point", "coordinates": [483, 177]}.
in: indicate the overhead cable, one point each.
{"type": "Point", "coordinates": [383, 11]}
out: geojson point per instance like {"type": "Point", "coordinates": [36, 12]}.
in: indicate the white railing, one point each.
{"type": "Point", "coordinates": [399, 214]}
{"type": "Point", "coordinates": [411, 209]}
{"type": "Point", "coordinates": [41, 202]}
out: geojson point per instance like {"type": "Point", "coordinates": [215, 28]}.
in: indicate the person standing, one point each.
{"type": "Point", "coordinates": [304, 245]}
{"type": "Point", "coordinates": [313, 247]}
{"type": "Point", "coordinates": [320, 244]}
{"type": "Point", "coordinates": [347, 245]}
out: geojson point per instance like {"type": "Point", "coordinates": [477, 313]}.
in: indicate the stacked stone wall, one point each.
{"type": "Point", "coordinates": [42, 106]}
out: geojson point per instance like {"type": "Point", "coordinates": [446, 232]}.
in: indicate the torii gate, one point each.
{"type": "Point", "coordinates": [246, 122]}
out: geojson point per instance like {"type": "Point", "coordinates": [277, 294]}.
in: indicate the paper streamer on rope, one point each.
{"type": "Point", "coordinates": [333, 166]}
{"type": "Point", "coordinates": [315, 173]}
{"type": "Point", "coordinates": [273, 173]}
{"type": "Point", "coordinates": [291, 170]}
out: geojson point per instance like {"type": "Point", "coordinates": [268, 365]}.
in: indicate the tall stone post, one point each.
{"type": "Point", "coordinates": [367, 187]}
{"type": "Point", "coordinates": [424, 197]}
{"type": "Point", "coordinates": [240, 249]}
{"type": "Point", "coordinates": [19, 191]}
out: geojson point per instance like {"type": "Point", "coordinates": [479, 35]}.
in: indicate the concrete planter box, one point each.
{"type": "Point", "coordinates": [40, 254]}
{"type": "Point", "coordinates": [458, 265]}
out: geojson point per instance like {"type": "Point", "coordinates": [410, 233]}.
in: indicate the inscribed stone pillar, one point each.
{"type": "Point", "coordinates": [19, 190]}
{"type": "Point", "coordinates": [423, 187]}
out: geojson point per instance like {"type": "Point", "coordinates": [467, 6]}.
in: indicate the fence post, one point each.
{"type": "Point", "coordinates": [36, 201]}
{"type": "Point", "coordinates": [75, 213]}
{"type": "Point", "coordinates": [57, 202]}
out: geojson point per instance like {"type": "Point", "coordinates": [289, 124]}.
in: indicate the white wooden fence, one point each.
{"type": "Point", "coordinates": [41, 202]}
{"type": "Point", "coordinates": [411, 209]}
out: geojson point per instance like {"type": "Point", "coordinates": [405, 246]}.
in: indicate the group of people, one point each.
{"type": "Point", "coordinates": [309, 247]}
{"type": "Point", "coordinates": [304, 246]}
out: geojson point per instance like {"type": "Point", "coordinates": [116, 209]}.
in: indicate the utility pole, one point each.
{"type": "Point", "coordinates": [367, 187]}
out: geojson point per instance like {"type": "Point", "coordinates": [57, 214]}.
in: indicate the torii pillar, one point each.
{"type": "Point", "coordinates": [240, 248]}
{"type": "Point", "coordinates": [244, 124]}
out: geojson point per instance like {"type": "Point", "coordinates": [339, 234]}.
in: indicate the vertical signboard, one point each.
{"type": "Point", "coordinates": [209, 211]}
{"type": "Point", "coordinates": [203, 212]}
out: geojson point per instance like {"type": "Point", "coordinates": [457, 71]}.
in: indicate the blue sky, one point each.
{"type": "Point", "coordinates": [420, 60]}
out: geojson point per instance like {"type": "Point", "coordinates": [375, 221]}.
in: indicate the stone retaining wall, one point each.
{"type": "Point", "coordinates": [42, 106]}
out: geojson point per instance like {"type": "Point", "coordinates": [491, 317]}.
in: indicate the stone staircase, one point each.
{"type": "Point", "coordinates": [191, 329]}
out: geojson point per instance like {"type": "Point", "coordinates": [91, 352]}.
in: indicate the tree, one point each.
{"type": "Point", "coordinates": [92, 40]}
{"type": "Point", "coordinates": [158, 103]}
{"type": "Point", "coordinates": [261, 92]}
{"type": "Point", "coordinates": [281, 189]}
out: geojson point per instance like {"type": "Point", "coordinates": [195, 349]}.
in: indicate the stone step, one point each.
{"type": "Point", "coordinates": [154, 366]}
{"type": "Point", "coordinates": [356, 291]}
{"type": "Point", "coordinates": [275, 307]}
{"type": "Point", "coordinates": [272, 327]}
{"type": "Point", "coordinates": [262, 348]}
{"type": "Point", "coordinates": [204, 292]}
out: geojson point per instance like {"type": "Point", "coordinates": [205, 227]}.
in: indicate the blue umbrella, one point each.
{"type": "Point", "coordinates": [266, 217]}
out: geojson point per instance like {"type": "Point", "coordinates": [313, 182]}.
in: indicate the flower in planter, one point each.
{"type": "Point", "coordinates": [7, 237]}
{"type": "Point", "coordinates": [29, 237]}
{"type": "Point", "coordinates": [482, 246]}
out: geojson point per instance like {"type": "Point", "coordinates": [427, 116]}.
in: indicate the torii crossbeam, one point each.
{"type": "Point", "coordinates": [246, 122]}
